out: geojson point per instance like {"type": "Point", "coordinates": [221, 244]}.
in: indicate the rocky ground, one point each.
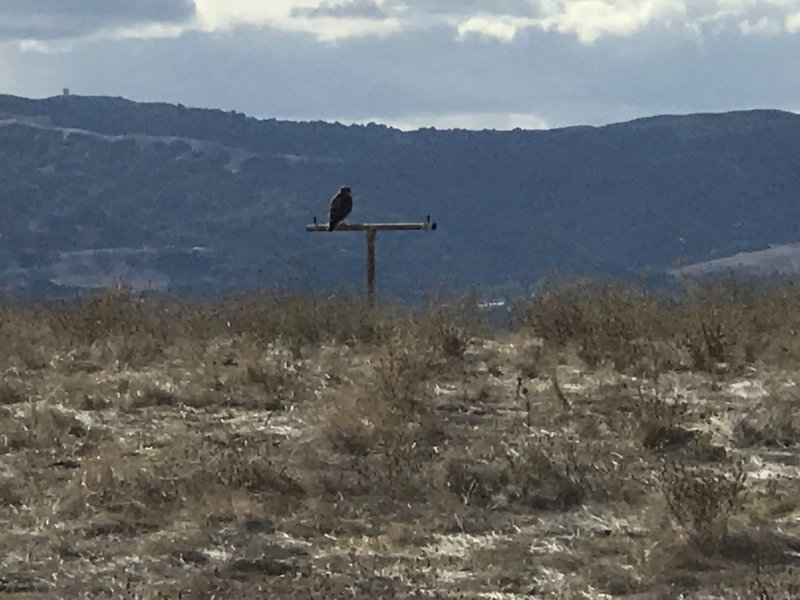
{"type": "Point", "coordinates": [254, 451]}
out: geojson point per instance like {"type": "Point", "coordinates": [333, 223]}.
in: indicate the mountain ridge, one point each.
{"type": "Point", "coordinates": [81, 173]}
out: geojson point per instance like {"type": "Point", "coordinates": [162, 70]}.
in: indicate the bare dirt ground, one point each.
{"type": "Point", "coordinates": [149, 452]}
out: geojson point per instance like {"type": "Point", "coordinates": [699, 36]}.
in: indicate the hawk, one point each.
{"type": "Point", "coordinates": [341, 205]}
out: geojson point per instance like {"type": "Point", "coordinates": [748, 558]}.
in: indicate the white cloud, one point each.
{"type": "Point", "coordinates": [500, 28]}
{"type": "Point", "coordinates": [42, 47]}
{"type": "Point", "coordinates": [133, 32]}
{"type": "Point", "coordinates": [588, 20]}
{"type": "Point", "coordinates": [214, 15]}
{"type": "Point", "coordinates": [326, 20]}
{"type": "Point", "coordinates": [763, 26]}
{"type": "Point", "coordinates": [145, 32]}
{"type": "Point", "coordinates": [754, 17]}
{"type": "Point", "coordinates": [329, 29]}
{"type": "Point", "coordinates": [592, 19]}
{"type": "Point", "coordinates": [331, 20]}
{"type": "Point", "coordinates": [793, 22]}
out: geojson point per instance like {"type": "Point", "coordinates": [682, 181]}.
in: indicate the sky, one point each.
{"type": "Point", "coordinates": [474, 64]}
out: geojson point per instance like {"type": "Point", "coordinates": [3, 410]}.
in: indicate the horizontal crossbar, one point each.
{"type": "Point", "coordinates": [427, 226]}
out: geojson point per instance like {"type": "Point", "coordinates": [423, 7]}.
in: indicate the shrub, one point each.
{"type": "Point", "coordinates": [604, 322]}
{"type": "Point", "coordinates": [714, 326]}
{"type": "Point", "coordinates": [703, 501]}
{"type": "Point", "coordinates": [540, 473]}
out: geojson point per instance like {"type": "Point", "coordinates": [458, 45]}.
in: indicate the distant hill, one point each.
{"type": "Point", "coordinates": [95, 190]}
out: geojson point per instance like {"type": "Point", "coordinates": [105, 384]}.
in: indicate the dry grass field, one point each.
{"type": "Point", "coordinates": [608, 444]}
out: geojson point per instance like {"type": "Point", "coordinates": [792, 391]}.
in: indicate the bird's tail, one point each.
{"type": "Point", "coordinates": [331, 225]}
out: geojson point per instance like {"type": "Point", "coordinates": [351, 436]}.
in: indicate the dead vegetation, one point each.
{"type": "Point", "coordinates": [720, 325]}
{"type": "Point", "coordinates": [613, 442]}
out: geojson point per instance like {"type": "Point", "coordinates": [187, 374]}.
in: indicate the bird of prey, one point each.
{"type": "Point", "coordinates": [341, 205]}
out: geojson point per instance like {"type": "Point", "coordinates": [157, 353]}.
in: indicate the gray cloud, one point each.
{"type": "Point", "coordinates": [417, 9]}
{"type": "Point", "coordinates": [424, 72]}
{"type": "Point", "coordinates": [520, 8]}
{"type": "Point", "coordinates": [359, 9]}
{"type": "Point", "coordinates": [59, 19]}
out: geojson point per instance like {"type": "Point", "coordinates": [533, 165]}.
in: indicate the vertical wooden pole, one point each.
{"type": "Point", "coordinates": [371, 235]}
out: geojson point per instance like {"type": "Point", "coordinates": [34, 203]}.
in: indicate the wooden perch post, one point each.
{"type": "Point", "coordinates": [372, 233]}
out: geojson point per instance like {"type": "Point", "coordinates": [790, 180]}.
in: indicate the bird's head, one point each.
{"type": "Point", "coordinates": [344, 189]}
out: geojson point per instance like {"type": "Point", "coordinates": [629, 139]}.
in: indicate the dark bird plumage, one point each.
{"type": "Point", "coordinates": [341, 205]}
